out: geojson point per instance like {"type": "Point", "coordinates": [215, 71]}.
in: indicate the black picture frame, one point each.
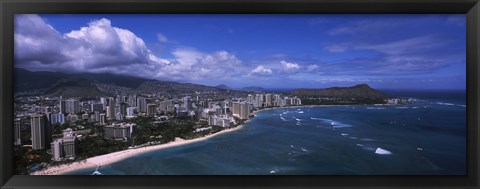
{"type": "Point", "coordinates": [8, 8]}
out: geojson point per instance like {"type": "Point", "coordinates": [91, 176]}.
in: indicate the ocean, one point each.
{"type": "Point", "coordinates": [424, 138]}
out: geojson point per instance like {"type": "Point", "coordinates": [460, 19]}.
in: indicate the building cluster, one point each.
{"type": "Point", "coordinates": [112, 113]}
{"type": "Point", "coordinates": [65, 147]}
{"type": "Point", "coordinates": [401, 101]}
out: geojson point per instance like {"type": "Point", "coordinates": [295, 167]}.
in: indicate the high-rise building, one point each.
{"type": "Point", "coordinates": [123, 108]}
{"type": "Point", "coordinates": [132, 100]}
{"type": "Point", "coordinates": [62, 105]}
{"type": "Point", "coordinates": [41, 131]}
{"type": "Point", "coordinates": [187, 103]}
{"type": "Point", "coordinates": [130, 111]}
{"type": "Point", "coordinates": [119, 116]}
{"type": "Point", "coordinates": [151, 109]}
{"type": "Point", "coordinates": [17, 134]}
{"type": "Point", "coordinates": [64, 147]}
{"type": "Point", "coordinates": [259, 100]}
{"type": "Point", "coordinates": [68, 147]}
{"type": "Point", "coordinates": [103, 100]}
{"type": "Point", "coordinates": [111, 109]}
{"type": "Point", "coordinates": [250, 98]}
{"type": "Point", "coordinates": [96, 116]}
{"type": "Point", "coordinates": [72, 106]}
{"type": "Point", "coordinates": [142, 104]}
{"type": "Point", "coordinates": [57, 119]}
{"type": "Point", "coordinates": [103, 119]}
{"type": "Point", "coordinates": [97, 107]}
{"type": "Point", "coordinates": [241, 110]}
{"type": "Point", "coordinates": [57, 150]}
{"type": "Point", "coordinates": [268, 99]}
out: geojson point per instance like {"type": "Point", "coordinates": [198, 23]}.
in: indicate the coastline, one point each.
{"type": "Point", "coordinates": [113, 157]}
{"type": "Point", "coordinates": [121, 155]}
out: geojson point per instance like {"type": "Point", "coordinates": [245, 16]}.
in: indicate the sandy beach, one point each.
{"type": "Point", "coordinates": [120, 155]}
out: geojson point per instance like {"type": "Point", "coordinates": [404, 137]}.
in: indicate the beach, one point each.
{"type": "Point", "coordinates": [120, 155]}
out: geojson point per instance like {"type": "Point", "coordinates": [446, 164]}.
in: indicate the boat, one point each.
{"type": "Point", "coordinates": [332, 124]}
{"type": "Point", "coordinates": [96, 172]}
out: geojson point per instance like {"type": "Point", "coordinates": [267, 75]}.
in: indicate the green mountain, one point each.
{"type": "Point", "coordinates": [362, 91]}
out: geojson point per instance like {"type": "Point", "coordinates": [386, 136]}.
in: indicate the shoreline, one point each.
{"type": "Point", "coordinates": [113, 157]}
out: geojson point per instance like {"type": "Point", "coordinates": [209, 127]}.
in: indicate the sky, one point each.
{"type": "Point", "coordinates": [425, 51]}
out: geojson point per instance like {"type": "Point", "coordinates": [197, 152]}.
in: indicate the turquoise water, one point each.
{"type": "Point", "coordinates": [425, 138]}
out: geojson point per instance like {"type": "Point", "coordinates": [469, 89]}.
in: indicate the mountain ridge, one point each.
{"type": "Point", "coordinates": [356, 91]}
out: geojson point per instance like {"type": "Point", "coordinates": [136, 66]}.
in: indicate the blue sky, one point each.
{"type": "Point", "coordinates": [271, 51]}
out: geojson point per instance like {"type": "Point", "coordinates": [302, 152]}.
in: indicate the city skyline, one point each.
{"type": "Point", "coordinates": [271, 51]}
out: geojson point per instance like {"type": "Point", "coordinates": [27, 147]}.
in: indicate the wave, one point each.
{"type": "Point", "coordinates": [445, 103]}
{"type": "Point", "coordinates": [382, 151]}
{"type": "Point", "coordinates": [367, 139]}
{"type": "Point", "coordinates": [321, 119]}
{"type": "Point", "coordinates": [376, 108]}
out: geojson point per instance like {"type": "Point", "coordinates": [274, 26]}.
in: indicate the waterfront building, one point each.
{"type": "Point", "coordinates": [119, 131]}
{"type": "Point", "coordinates": [268, 100]}
{"type": "Point", "coordinates": [57, 150]}
{"type": "Point", "coordinates": [250, 98]}
{"type": "Point", "coordinates": [222, 121]}
{"type": "Point", "coordinates": [241, 110]}
{"type": "Point", "coordinates": [40, 131]}
{"type": "Point", "coordinates": [64, 147]}
{"type": "Point", "coordinates": [17, 134]}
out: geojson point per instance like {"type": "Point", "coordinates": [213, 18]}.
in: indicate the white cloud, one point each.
{"type": "Point", "coordinates": [162, 38]}
{"type": "Point", "coordinates": [100, 47]}
{"type": "Point", "coordinates": [262, 70]}
{"type": "Point", "coordinates": [312, 67]}
{"type": "Point", "coordinates": [289, 66]}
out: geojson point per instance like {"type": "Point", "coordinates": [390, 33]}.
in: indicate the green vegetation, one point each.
{"type": "Point", "coordinates": [93, 143]}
